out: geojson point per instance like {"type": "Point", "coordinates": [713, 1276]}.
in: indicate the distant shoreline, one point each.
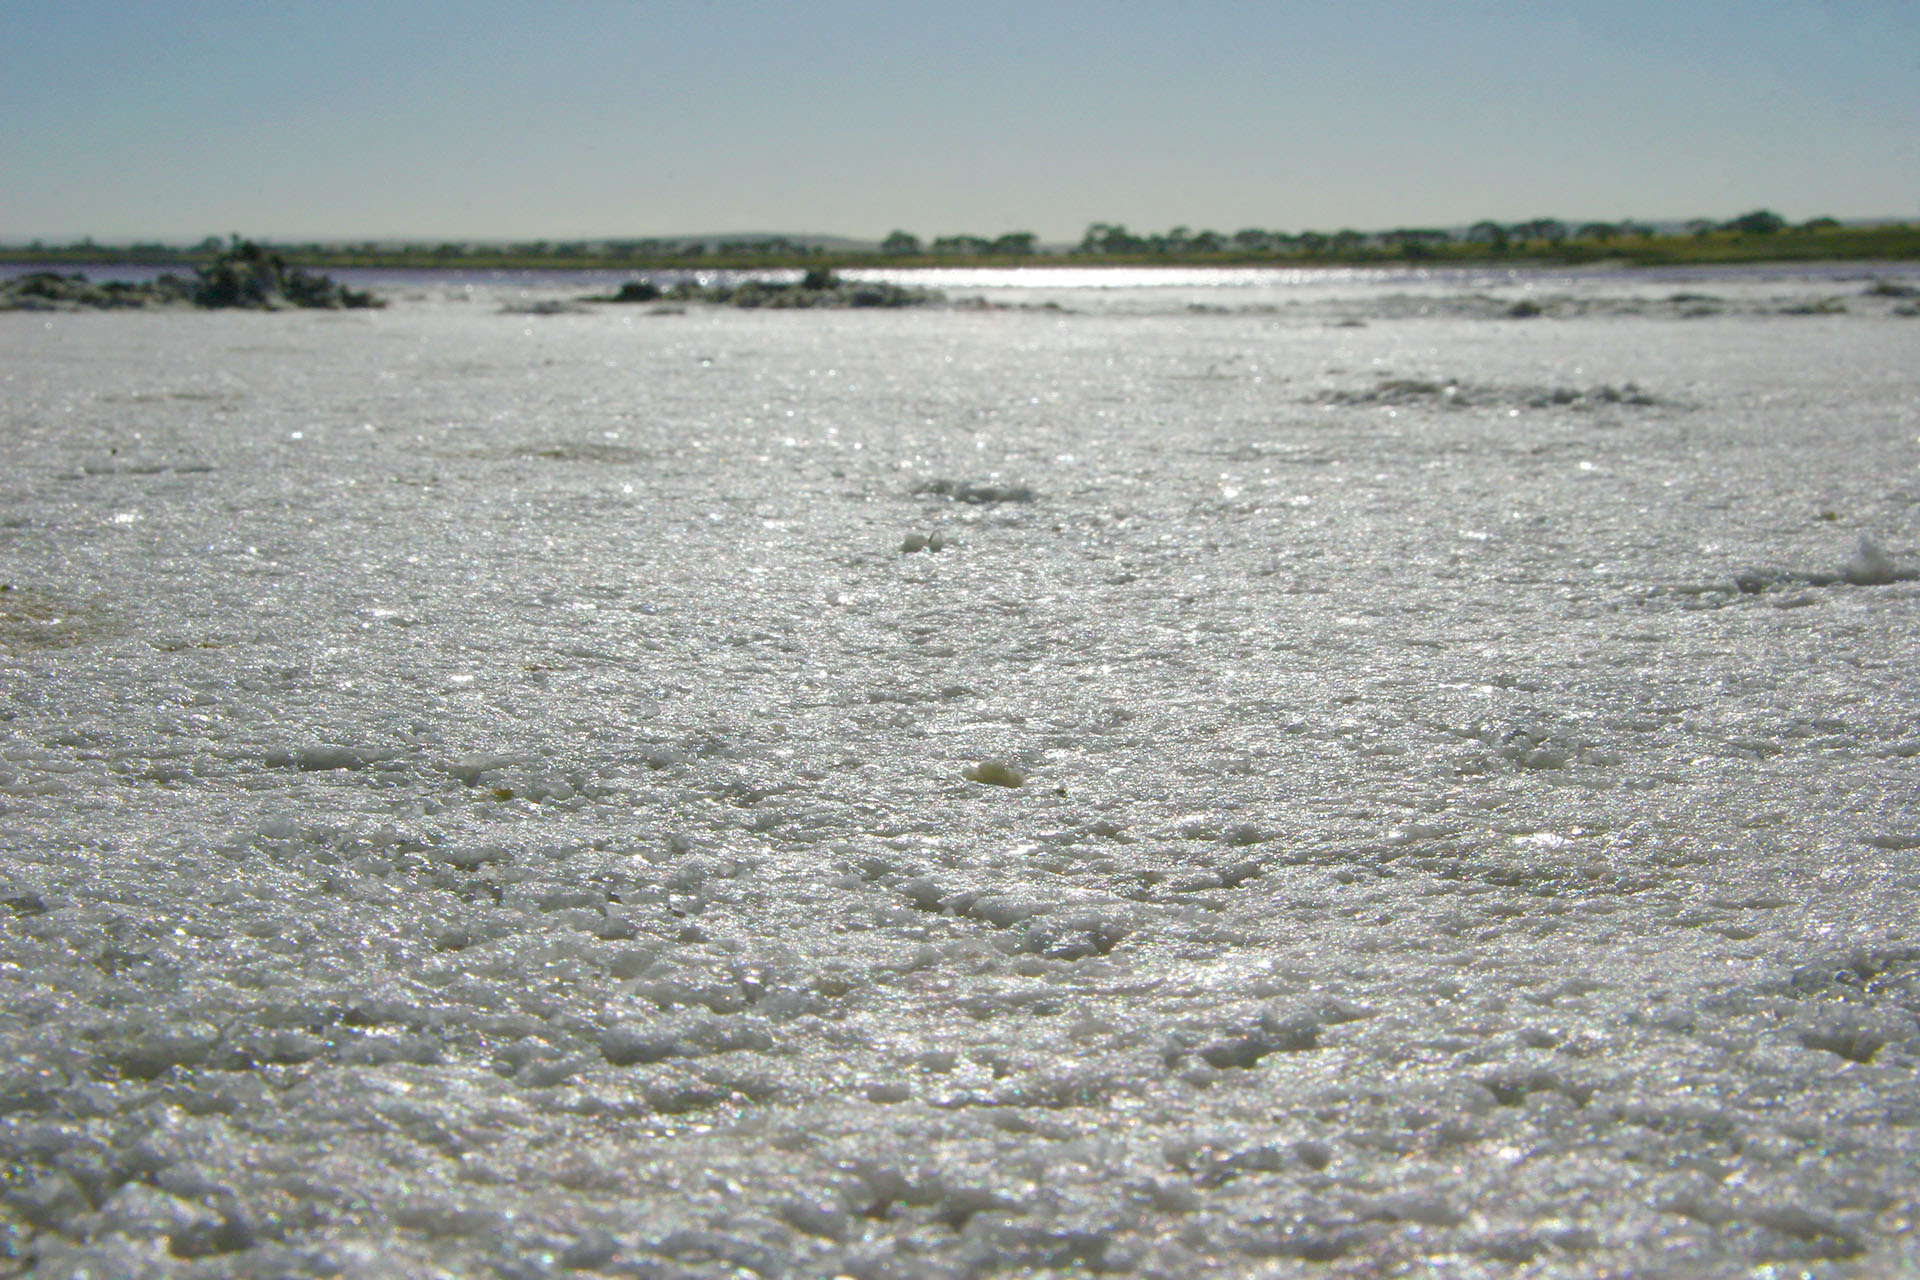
{"type": "Point", "coordinates": [1837, 244]}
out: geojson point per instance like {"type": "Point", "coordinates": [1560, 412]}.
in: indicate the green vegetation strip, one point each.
{"type": "Point", "coordinates": [1760, 236]}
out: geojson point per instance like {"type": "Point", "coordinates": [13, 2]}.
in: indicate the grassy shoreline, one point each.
{"type": "Point", "coordinates": [1840, 244]}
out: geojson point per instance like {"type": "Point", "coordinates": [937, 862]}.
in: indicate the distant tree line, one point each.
{"type": "Point", "coordinates": [1759, 234]}
{"type": "Point", "coordinates": [1114, 240]}
{"type": "Point", "coordinates": [1014, 244]}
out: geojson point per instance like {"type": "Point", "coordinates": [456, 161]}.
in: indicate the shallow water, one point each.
{"type": "Point", "coordinates": [490, 792]}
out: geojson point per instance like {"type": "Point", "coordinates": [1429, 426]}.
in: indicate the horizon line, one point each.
{"type": "Point", "coordinates": [45, 242]}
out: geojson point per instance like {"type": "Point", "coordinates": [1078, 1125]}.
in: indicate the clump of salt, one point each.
{"type": "Point", "coordinates": [913, 542]}
{"type": "Point", "coordinates": [997, 773]}
{"type": "Point", "coordinates": [1870, 566]}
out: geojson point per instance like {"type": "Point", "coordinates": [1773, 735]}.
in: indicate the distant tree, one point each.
{"type": "Point", "coordinates": [1552, 230]}
{"type": "Point", "coordinates": [1105, 237]}
{"type": "Point", "coordinates": [1701, 228]}
{"type": "Point", "coordinates": [1312, 243]}
{"type": "Point", "coordinates": [1253, 240]}
{"type": "Point", "coordinates": [1601, 231]}
{"type": "Point", "coordinates": [900, 243]}
{"type": "Point", "coordinates": [1820, 224]}
{"type": "Point", "coordinates": [1761, 222]}
{"type": "Point", "coordinates": [1643, 230]}
{"type": "Point", "coordinates": [962, 244]}
{"type": "Point", "coordinates": [1206, 242]}
{"type": "Point", "coordinates": [1489, 233]}
{"type": "Point", "coordinates": [1415, 242]}
{"type": "Point", "coordinates": [449, 250]}
{"type": "Point", "coordinates": [1018, 244]}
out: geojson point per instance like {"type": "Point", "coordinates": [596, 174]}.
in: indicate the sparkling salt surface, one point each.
{"type": "Point", "coordinates": [501, 794]}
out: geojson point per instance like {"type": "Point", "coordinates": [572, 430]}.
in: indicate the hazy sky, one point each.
{"type": "Point", "coordinates": [580, 118]}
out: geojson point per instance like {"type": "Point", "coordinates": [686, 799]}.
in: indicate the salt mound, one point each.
{"type": "Point", "coordinates": [1870, 566]}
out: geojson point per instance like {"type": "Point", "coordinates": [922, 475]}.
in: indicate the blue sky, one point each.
{"type": "Point", "coordinates": [510, 120]}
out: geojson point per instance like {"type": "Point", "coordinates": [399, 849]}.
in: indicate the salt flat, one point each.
{"type": "Point", "coordinates": [490, 794]}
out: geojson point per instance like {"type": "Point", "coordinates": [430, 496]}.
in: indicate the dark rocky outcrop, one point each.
{"type": "Point", "coordinates": [54, 291]}
{"type": "Point", "coordinates": [638, 291]}
{"type": "Point", "coordinates": [818, 288]}
{"type": "Point", "coordinates": [249, 275]}
{"type": "Point", "coordinates": [246, 275]}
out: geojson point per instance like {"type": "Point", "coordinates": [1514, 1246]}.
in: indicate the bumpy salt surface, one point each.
{"type": "Point", "coordinates": [496, 794]}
